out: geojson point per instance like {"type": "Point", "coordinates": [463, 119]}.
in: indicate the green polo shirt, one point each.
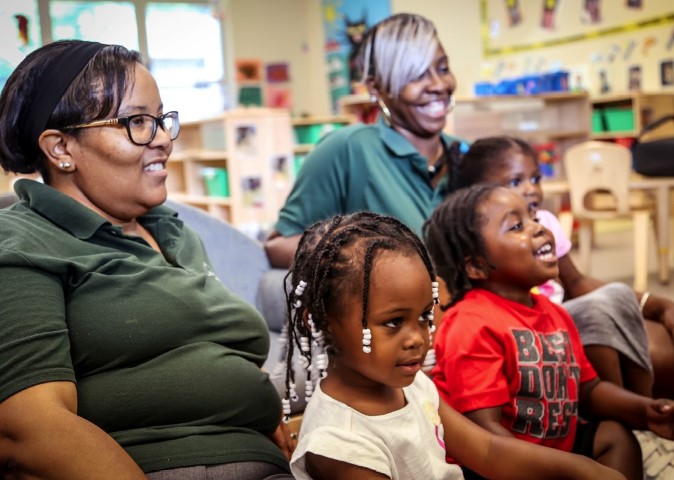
{"type": "Point", "coordinates": [166, 359]}
{"type": "Point", "coordinates": [362, 167]}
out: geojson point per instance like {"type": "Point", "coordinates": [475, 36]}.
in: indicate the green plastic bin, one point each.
{"type": "Point", "coordinates": [619, 119]}
{"type": "Point", "coordinates": [597, 121]}
{"type": "Point", "coordinates": [216, 181]}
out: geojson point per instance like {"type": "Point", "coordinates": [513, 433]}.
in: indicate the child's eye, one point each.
{"type": "Point", "coordinates": [514, 183]}
{"type": "Point", "coordinates": [394, 323]}
{"type": "Point", "coordinates": [517, 227]}
{"type": "Point", "coordinates": [536, 179]}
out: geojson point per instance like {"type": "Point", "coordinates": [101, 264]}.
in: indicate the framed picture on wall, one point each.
{"type": "Point", "coordinates": [667, 73]}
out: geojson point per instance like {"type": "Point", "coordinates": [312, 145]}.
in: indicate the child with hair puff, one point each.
{"type": "Point", "coordinates": [511, 360]}
{"type": "Point", "coordinates": [361, 295]}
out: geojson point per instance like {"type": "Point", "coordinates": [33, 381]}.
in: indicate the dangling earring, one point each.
{"type": "Point", "coordinates": [385, 111]}
{"type": "Point", "coordinates": [64, 165]}
{"type": "Point", "coordinates": [452, 103]}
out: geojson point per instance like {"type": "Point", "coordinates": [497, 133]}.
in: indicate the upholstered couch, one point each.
{"type": "Point", "coordinates": [241, 264]}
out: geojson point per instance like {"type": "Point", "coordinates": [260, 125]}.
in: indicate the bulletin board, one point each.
{"type": "Point", "coordinates": [607, 46]}
{"type": "Point", "coordinates": [519, 25]}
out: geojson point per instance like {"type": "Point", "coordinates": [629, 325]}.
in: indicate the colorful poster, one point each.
{"type": "Point", "coordinates": [248, 71]}
{"type": "Point", "coordinates": [345, 23]}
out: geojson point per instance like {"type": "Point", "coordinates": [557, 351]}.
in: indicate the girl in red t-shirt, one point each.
{"type": "Point", "coordinates": [512, 361]}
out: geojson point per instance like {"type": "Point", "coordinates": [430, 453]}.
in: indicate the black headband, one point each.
{"type": "Point", "coordinates": [54, 80]}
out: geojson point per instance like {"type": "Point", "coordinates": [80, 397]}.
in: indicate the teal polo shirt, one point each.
{"type": "Point", "coordinates": [362, 167]}
{"type": "Point", "coordinates": [166, 359]}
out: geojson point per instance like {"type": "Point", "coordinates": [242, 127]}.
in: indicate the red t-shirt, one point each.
{"type": "Point", "coordinates": [493, 352]}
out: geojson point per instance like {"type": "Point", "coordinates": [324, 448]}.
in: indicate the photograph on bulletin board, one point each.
{"type": "Point", "coordinates": [345, 24]}
{"type": "Point", "coordinates": [667, 73]}
{"type": "Point", "coordinates": [252, 191]}
{"type": "Point", "coordinates": [246, 139]}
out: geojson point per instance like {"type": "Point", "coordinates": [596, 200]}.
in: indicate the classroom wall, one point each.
{"type": "Point", "coordinates": [292, 31]}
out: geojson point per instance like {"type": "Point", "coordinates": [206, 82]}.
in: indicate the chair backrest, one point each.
{"type": "Point", "coordinates": [7, 199]}
{"type": "Point", "coordinates": [593, 167]}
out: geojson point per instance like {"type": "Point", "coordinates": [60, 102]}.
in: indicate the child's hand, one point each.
{"type": "Point", "coordinates": [660, 418]}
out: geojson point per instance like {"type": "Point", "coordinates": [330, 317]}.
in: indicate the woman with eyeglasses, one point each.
{"type": "Point", "coordinates": [397, 166]}
{"type": "Point", "coordinates": [121, 354]}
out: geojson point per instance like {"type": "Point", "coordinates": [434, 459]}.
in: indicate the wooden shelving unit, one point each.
{"type": "Point", "coordinates": [254, 146]}
{"type": "Point", "coordinates": [562, 118]}
{"type": "Point", "coordinates": [645, 108]}
{"type": "Point", "coordinates": [322, 126]}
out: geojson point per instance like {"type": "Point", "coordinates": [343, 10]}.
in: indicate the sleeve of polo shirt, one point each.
{"type": "Point", "coordinates": [34, 344]}
{"type": "Point", "coordinates": [320, 189]}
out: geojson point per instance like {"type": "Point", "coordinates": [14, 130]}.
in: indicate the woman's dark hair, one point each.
{"type": "Point", "coordinates": [484, 155]}
{"type": "Point", "coordinates": [335, 257]}
{"type": "Point", "coordinates": [453, 235]}
{"type": "Point", "coordinates": [95, 93]}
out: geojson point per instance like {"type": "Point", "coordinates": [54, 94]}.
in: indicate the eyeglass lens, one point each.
{"type": "Point", "coordinates": [143, 127]}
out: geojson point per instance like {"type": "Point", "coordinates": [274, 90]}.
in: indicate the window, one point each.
{"type": "Point", "coordinates": [185, 48]}
{"type": "Point", "coordinates": [19, 34]}
{"type": "Point", "coordinates": [91, 21]}
{"type": "Point", "coordinates": [183, 42]}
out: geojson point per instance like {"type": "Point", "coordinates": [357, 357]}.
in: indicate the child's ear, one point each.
{"type": "Point", "coordinates": [476, 269]}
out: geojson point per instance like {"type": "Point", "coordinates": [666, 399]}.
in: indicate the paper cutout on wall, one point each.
{"type": "Point", "coordinates": [648, 43]}
{"type": "Point", "coordinates": [278, 97]}
{"type": "Point", "coordinates": [248, 70]}
{"type": "Point", "coordinates": [667, 73]}
{"type": "Point", "coordinates": [634, 78]}
{"type": "Point", "coordinates": [514, 12]}
{"type": "Point", "coordinates": [591, 11]}
{"type": "Point", "coordinates": [548, 17]}
{"type": "Point", "coordinates": [278, 72]}
{"type": "Point", "coordinates": [250, 96]}
{"type": "Point", "coordinates": [629, 49]}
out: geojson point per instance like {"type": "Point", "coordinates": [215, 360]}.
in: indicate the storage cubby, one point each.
{"type": "Point", "coordinates": [250, 149]}
{"type": "Point", "coordinates": [621, 117]}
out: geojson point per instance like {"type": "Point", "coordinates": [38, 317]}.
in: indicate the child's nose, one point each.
{"type": "Point", "coordinates": [415, 337]}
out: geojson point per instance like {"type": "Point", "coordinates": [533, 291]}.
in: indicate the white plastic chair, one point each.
{"type": "Point", "coordinates": [598, 168]}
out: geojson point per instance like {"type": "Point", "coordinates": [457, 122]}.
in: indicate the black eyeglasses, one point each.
{"type": "Point", "coordinates": [141, 128]}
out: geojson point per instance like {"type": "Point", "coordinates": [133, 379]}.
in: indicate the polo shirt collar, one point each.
{"type": "Point", "coordinates": [66, 212]}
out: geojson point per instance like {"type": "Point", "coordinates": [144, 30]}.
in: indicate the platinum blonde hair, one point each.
{"type": "Point", "coordinates": [404, 47]}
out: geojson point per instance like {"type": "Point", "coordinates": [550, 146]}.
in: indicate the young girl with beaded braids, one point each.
{"type": "Point", "coordinates": [511, 360]}
{"type": "Point", "coordinates": [361, 298]}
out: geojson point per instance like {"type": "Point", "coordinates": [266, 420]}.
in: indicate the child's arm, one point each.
{"type": "Point", "coordinates": [324, 468]}
{"type": "Point", "coordinates": [607, 400]}
{"type": "Point", "coordinates": [574, 282]}
{"type": "Point", "coordinates": [504, 457]}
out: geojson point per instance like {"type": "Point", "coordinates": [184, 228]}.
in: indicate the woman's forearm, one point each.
{"type": "Point", "coordinates": [41, 437]}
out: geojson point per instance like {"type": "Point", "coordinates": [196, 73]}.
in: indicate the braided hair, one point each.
{"type": "Point", "coordinates": [453, 235]}
{"type": "Point", "coordinates": [333, 262]}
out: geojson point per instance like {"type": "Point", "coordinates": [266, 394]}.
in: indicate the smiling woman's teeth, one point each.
{"type": "Point", "coordinates": [154, 167]}
{"type": "Point", "coordinates": [433, 107]}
